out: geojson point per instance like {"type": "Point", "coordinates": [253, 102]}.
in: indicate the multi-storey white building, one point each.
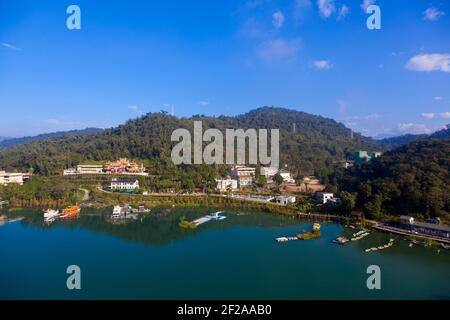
{"type": "Point", "coordinates": [13, 177]}
{"type": "Point", "coordinates": [227, 184]}
{"type": "Point", "coordinates": [124, 184]}
{"type": "Point", "coordinates": [269, 172]}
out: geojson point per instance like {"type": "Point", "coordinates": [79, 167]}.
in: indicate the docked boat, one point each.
{"type": "Point", "coordinates": [216, 216]}
{"type": "Point", "coordinates": [51, 214]}
{"type": "Point", "coordinates": [445, 246]}
{"type": "Point", "coordinates": [341, 240]}
{"type": "Point", "coordinates": [71, 211]}
{"type": "Point", "coordinates": [117, 212]}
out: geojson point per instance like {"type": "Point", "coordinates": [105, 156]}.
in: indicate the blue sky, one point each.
{"type": "Point", "coordinates": [224, 57]}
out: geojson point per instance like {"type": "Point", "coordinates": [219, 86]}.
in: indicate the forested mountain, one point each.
{"type": "Point", "coordinates": [412, 179]}
{"type": "Point", "coordinates": [394, 142]}
{"type": "Point", "coordinates": [308, 143]}
{"type": "Point", "coordinates": [10, 142]}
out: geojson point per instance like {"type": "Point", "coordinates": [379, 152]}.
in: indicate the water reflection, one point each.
{"type": "Point", "coordinates": [158, 227]}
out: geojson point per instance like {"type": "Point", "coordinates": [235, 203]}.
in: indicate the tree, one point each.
{"type": "Point", "coordinates": [278, 179]}
{"type": "Point", "coordinates": [261, 181]}
{"type": "Point", "coordinates": [348, 202]}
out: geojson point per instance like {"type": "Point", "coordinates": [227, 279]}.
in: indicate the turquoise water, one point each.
{"type": "Point", "coordinates": [237, 258]}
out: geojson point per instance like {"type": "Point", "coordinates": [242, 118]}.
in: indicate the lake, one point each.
{"type": "Point", "coordinates": [236, 258]}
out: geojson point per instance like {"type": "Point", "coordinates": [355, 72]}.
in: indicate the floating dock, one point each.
{"type": "Point", "coordinates": [205, 219]}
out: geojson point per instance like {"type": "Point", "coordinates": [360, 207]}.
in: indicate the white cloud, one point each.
{"type": "Point", "coordinates": [343, 12]}
{"type": "Point", "coordinates": [342, 106]}
{"type": "Point", "coordinates": [61, 122]}
{"type": "Point", "coordinates": [432, 14]}
{"type": "Point", "coordinates": [350, 124]}
{"type": "Point", "coordinates": [428, 115]}
{"type": "Point", "coordinates": [278, 19]}
{"type": "Point", "coordinates": [373, 116]}
{"type": "Point", "coordinates": [301, 7]}
{"type": "Point", "coordinates": [135, 108]}
{"type": "Point", "coordinates": [437, 98]}
{"type": "Point", "coordinates": [278, 49]}
{"type": "Point", "coordinates": [367, 3]}
{"type": "Point", "coordinates": [413, 128]}
{"type": "Point", "coordinates": [429, 62]}
{"type": "Point", "coordinates": [203, 103]}
{"type": "Point", "coordinates": [445, 115]}
{"type": "Point", "coordinates": [326, 7]}
{"type": "Point", "coordinates": [9, 46]}
{"type": "Point", "coordinates": [322, 64]}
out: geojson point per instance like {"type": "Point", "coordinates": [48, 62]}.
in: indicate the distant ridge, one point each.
{"type": "Point", "coordinates": [398, 141]}
{"type": "Point", "coordinates": [11, 142]}
{"type": "Point", "coordinates": [313, 146]}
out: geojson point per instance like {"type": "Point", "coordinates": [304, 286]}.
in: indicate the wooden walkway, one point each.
{"type": "Point", "coordinates": [408, 233]}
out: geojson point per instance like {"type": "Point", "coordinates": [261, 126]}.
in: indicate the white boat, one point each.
{"type": "Point", "coordinates": [51, 214]}
{"type": "Point", "coordinates": [117, 212]}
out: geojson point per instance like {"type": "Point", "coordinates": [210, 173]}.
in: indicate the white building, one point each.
{"type": "Point", "coordinates": [70, 172]}
{"type": "Point", "coordinates": [124, 184]}
{"type": "Point", "coordinates": [245, 181]}
{"type": "Point", "coordinates": [324, 197]}
{"type": "Point", "coordinates": [13, 177]}
{"type": "Point", "coordinates": [89, 169]}
{"type": "Point", "coordinates": [268, 172]}
{"type": "Point", "coordinates": [238, 171]}
{"type": "Point", "coordinates": [286, 175]}
{"type": "Point", "coordinates": [227, 184]}
{"type": "Point", "coordinates": [285, 200]}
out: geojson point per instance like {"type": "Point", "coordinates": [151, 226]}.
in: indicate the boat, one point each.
{"type": "Point", "coordinates": [71, 211]}
{"type": "Point", "coordinates": [117, 212]}
{"type": "Point", "coordinates": [341, 240]}
{"type": "Point", "coordinates": [122, 212]}
{"type": "Point", "coordinates": [216, 216]}
{"type": "Point", "coordinates": [445, 246]}
{"type": "Point", "coordinates": [282, 239]}
{"type": "Point", "coordinates": [51, 214]}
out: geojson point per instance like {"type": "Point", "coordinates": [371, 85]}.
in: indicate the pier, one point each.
{"type": "Point", "coordinates": [205, 219]}
{"type": "Point", "coordinates": [404, 232]}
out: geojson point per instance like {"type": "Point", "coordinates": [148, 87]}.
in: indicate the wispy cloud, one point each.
{"type": "Point", "coordinates": [437, 98]}
{"type": "Point", "coordinates": [342, 13]}
{"type": "Point", "coordinates": [428, 115]}
{"type": "Point", "coordinates": [10, 46]}
{"type": "Point", "coordinates": [429, 62]}
{"type": "Point", "coordinates": [373, 116]}
{"type": "Point", "coordinates": [135, 108]}
{"type": "Point", "coordinates": [322, 64]}
{"type": "Point", "coordinates": [278, 49]}
{"type": "Point", "coordinates": [432, 14]}
{"type": "Point", "coordinates": [203, 103]}
{"type": "Point", "coordinates": [277, 19]}
{"type": "Point", "coordinates": [326, 8]}
{"type": "Point", "coordinates": [413, 128]}
{"type": "Point", "coordinates": [62, 122]}
{"type": "Point", "coordinates": [445, 115]}
{"type": "Point", "coordinates": [342, 106]}
{"type": "Point", "coordinates": [301, 8]}
{"type": "Point", "coordinates": [367, 3]}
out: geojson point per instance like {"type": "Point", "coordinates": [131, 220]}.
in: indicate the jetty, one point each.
{"type": "Point", "coordinates": [404, 232]}
{"type": "Point", "coordinates": [359, 235]}
{"type": "Point", "coordinates": [308, 235]}
{"type": "Point", "coordinates": [390, 244]}
{"type": "Point", "coordinates": [194, 224]}
{"type": "Point", "coordinates": [205, 219]}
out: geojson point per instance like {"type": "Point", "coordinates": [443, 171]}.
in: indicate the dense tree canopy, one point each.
{"type": "Point", "coordinates": [308, 143]}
